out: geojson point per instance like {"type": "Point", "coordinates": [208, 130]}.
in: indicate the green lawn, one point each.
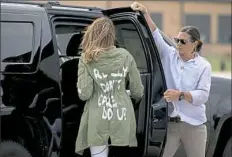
{"type": "Point", "coordinates": [215, 62]}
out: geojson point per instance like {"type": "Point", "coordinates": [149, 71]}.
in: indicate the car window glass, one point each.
{"type": "Point", "coordinates": [16, 42]}
{"type": "Point", "coordinates": [127, 37]}
{"type": "Point", "coordinates": [68, 39]}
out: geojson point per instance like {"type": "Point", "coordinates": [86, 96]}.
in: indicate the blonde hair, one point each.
{"type": "Point", "coordinates": [99, 37]}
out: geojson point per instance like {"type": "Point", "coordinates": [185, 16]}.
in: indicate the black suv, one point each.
{"type": "Point", "coordinates": [40, 108]}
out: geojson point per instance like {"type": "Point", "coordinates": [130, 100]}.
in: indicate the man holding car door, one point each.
{"type": "Point", "coordinates": [188, 78]}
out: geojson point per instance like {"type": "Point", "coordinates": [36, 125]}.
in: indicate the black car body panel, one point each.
{"type": "Point", "coordinates": [28, 86]}
{"type": "Point", "coordinates": [221, 115]}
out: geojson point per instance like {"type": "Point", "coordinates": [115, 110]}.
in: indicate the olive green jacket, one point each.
{"type": "Point", "coordinates": [108, 112]}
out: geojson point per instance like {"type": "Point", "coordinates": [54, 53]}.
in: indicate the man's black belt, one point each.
{"type": "Point", "coordinates": [175, 119]}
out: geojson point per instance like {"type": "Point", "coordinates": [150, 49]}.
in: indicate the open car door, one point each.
{"type": "Point", "coordinates": [133, 34]}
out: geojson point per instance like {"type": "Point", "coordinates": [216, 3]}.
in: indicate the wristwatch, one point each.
{"type": "Point", "coordinates": [181, 97]}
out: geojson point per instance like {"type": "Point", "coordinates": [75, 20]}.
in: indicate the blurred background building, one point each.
{"type": "Point", "coordinates": [212, 17]}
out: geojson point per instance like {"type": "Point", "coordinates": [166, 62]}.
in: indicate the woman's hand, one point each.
{"type": "Point", "coordinates": [139, 7]}
{"type": "Point", "coordinates": [171, 95]}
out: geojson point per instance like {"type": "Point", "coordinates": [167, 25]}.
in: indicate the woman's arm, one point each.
{"type": "Point", "coordinates": [85, 81]}
{"type": "Point", "coordinates": [201, 94]}
{"type": "Point", "coordinates": [195, 97]}
{"type": "Point", "coordinates": [163, 48]}
{"type": "Point", "coordinates": [135, 82]}
{"type": "Point", "coordinates": [139, 7]}
{"type": "Point", "coordinates": [150, 22]}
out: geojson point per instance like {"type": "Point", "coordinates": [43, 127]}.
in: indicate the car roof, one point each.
{"type": "Point", "coordinates": [14, 7]}
{"type": "Point", "coordinates": [32, 6]}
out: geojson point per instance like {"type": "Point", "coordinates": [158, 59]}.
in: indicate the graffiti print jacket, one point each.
{"type": "Point", "coordinates": [108, 112]}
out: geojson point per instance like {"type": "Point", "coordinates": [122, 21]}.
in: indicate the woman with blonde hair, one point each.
{"type": "Point", "coordinates": [103, 70]}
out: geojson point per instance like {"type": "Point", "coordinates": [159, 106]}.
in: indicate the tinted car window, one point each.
{"type": "Point", "coordinates": [16, 42]}
{"type": "Point", "coordinates": [127, 36]}
{"type": "Point", "coordinates": [68, 39]}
